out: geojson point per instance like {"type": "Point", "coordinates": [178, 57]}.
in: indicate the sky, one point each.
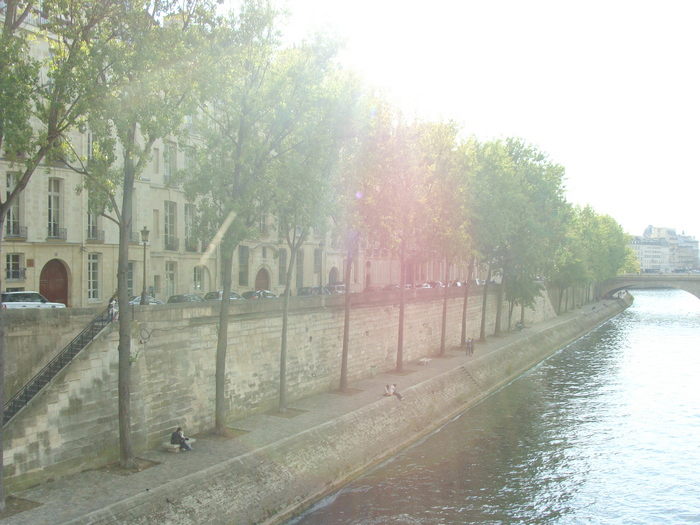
{"type": "Point", "coordinates": [609, 90]}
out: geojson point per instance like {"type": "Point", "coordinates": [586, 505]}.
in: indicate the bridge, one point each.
{"type": "Point", "coordinates": [688, 282]}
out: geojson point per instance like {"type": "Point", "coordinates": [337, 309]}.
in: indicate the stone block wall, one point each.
{"type": "Point", "coordinates": [272, 484]}
{"type": "Point", "coordinates": [73, 424]}
{"type": "Point", "coordinates": [34, 336]}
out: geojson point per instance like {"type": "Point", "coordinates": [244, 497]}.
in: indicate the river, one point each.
{"type": "Point", "coordinates": [605, 431]}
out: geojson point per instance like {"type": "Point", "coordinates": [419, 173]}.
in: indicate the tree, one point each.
{"type": "Point", "coordinates": [43, 100]}
{"type": "Point", "coordinates": [241, 133]}
{"type": "Point", "coordinates": [606, 242]}
{"type": "Point", "coordinates": [539, 226]}
{"type": "Point", "coordinates": [151, 89]}
{"type": "Point", "coordinates": [569, 266]}
{"type": "Point", "coordinates": [303, 171]}
{"type": "Point", "coordinates": [394, 204]}
{"type": "Point", "coordinates": [493, 200]}
{"type": "Point", "coordinates": [260, 98]}
{"type": "Point", "coordinates": [446, 232]}
{"type": "Point", "coordinates": [346, 216]}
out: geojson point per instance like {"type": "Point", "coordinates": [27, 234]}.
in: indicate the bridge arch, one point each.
{"type": "Point", "coordinates": [688, 282]}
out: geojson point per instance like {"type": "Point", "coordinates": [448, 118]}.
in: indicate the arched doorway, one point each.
{"type": "Point", "coordinates": [53, 282]}
{"type": "Point", "coordinates": [333, 276]}
{"type": "Point", "coordinates": [262, 280]}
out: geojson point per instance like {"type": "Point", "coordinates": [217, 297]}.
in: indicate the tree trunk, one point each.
{"type": "Point", "coordinates": [126, 453]}
{"type": "Point", "coordinates": [482, 334]}
{"type": "Point", "coordinates": [227, 248]}
{"type": "Point", "coordinates": [561, 295]}
{"type": "Point", "coordinates": [346, 325]}
{"type": "Point", "coordinates": [444, 308]}
{"type": "Point", "coordinates": [285, 324]}
{"type": "Point", "coordinates": [402, 307]}
{"type": "Point", "coordinates": [499, 301]}
{"type": "Point", "coordinates": [4, 208]}
{"type": "Point", "coordinates": [511, 305]}
{"type": "Point", "coordinates": [2, 388]}
{"type": "Point", "coordinates": [470, 270]}
{"type": "Point", "coordinates": [283, 348]}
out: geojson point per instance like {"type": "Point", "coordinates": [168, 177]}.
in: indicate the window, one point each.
{"type": "Point", "coordinates": [156, 160]}
{"type": "Point", "coordinates": [93, 231]}
{"type": "Point", "coordinates": [91, 225]}
{"type": "Point", "coordinates": [190, 242]}
{"type": "Point", "coordinates": [55, 208]}
{"type": "Point", "coordinates": [190, 156]}
{"type": "Point", "coordinates": [198, 278]}
{"type": "Point", "coordinates": [300, 269]}
{"type": "Point", "coordinates": [170, 269]}
{"type": "Point", "coordinates": [171, 242]}
{"type": "Point", "coordinates": [283, 266]}
{"type": "Point", "coordinates": [12, 226]}
{"type": "Point", "coordinates": [243, 265]}
{"type": "Point", "coordinates": [169, 158]}
{"type": "Point", "coordinates": [14, 271]}
{"type": "Point", "coordinates": [91, 146]}
{"type": "Point", "coordinates": [93, 276]}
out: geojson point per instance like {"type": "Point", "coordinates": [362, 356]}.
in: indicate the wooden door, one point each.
{"type": "Point", "coordinates": [262, 280]}
{"type": "Point", "coordinates": [53, 282]}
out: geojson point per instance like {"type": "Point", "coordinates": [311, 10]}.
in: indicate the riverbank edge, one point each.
{"type": "Point", "coordinates": [272, 484]}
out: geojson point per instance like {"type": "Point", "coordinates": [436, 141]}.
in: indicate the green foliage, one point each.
{"type": "Point", "coordinates": [49, 80]}
{"type": "Point", "coordinates": [447, 229]}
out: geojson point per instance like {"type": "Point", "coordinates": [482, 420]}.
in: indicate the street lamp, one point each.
{"type": "Point", "coordinates": [144, 239]}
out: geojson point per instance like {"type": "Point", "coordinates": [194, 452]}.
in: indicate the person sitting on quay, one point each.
{"type": "Point", "coordinates": [178, 438]}
{"type": "Point", "coordinates": [388, 390]}
{"type": "Point", "coordinates": [396, 392]}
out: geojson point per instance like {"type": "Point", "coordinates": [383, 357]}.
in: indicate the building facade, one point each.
{"type": "Point", "coordinates": [51, 243]}
{"type": "Point", "coordinates": [54, 245]}
{"type": "Point", "coordinates": [663, 250]}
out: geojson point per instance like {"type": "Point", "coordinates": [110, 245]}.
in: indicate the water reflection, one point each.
{"type": "Point", "coordinates": [605, 431]}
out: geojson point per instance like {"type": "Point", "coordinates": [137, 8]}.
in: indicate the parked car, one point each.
{"type": "Point", "coordinates": [336, 288]}
{"type": "Point", "coordinates": [185, 298]}
{"type": "Point", "coordinates": [135, 301]}
{"type": "Point", "coordinates": [217, 296]}
{"type": "Point", "coordinates": [435, 284]}
{"type": "Point", "coordinates": [27, 300]}
{"type": "Point", "coordinates": [259, 294]}
{"type": "Point", "coordinates": [313, 290]}
{"type": "Point", "coordinates": [391, 287]}
{"type": "Point", "coordinates": [422, 285]}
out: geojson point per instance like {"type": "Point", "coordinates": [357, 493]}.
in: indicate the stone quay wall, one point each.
{"type": "Point", "coordinates": [276, 482]}
{"type": "Point", "coordinates": [72, 425]}
{"type": "Point", "coordinates": [34, 336]}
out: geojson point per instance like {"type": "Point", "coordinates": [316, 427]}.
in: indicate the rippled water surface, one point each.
{"type": "Point", "coordinates": [605, 431]}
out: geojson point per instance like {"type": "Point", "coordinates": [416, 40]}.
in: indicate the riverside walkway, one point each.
{"type": "Point", "coordinates": [88, 497]}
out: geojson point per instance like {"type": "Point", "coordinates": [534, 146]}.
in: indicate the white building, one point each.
{"type": "Point", "coordinates": [662, 250]}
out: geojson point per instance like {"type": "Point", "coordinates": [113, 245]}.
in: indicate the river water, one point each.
{"type": "Point", "coordinates": [605, 431]}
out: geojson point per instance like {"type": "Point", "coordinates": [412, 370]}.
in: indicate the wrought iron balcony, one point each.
{"type": "Point", "coordinates": [172, 244]}
{"type": "Point", "coordinates": [134, 237]}
{"type": "Point", "coordinates": [57, 233]}
{"type": "Point", "coordinates": [15, 274]}
{"type": "Point", "coordinates": [14, 231]}
{"type": "Point", "coordinates": [95, 235]}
